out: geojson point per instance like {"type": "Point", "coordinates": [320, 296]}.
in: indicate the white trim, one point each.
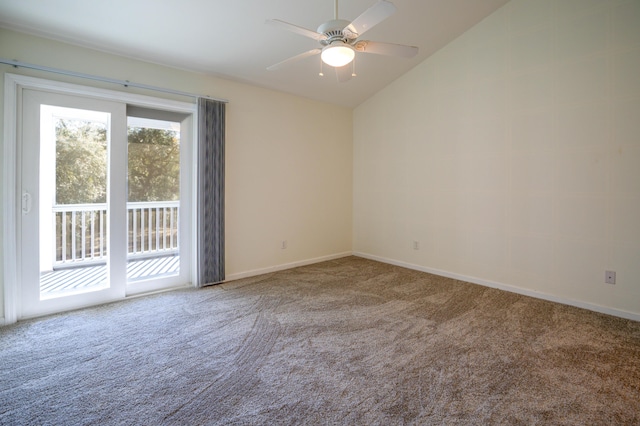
{"type": "Point", "coordinates": [506, 287]}
{"type": "Point", "coordinates": [97, 93]}
{"type": "Point", "coordinates": [10, 204]}
{"type": "Point", "coordinates": [284, 266]}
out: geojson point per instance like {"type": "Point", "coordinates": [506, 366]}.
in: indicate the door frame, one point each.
{"type": "Point", "coordinates": [13, 86]}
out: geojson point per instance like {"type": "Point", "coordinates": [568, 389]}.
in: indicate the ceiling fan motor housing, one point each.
{"type": "Point", "coordinates": [333, 30]}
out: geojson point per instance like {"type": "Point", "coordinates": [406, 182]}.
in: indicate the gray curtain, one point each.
{"type": "Point", "coordinates": [211, 124]}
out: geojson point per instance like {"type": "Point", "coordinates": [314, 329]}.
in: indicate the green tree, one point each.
{"type": "Point", "coordinates": [154, 164]}
{"type": "Point", "coordinates": [81, 162]}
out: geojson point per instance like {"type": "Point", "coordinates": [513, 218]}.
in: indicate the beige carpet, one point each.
{"type": "Point", "coordinates": [350, 341]}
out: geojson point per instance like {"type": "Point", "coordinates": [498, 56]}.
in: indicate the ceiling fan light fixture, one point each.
{"type": "Point", "coordinates": [337, 54]}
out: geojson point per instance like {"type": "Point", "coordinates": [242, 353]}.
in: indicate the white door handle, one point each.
{"type": "Point", "coordinates": [26, 202]}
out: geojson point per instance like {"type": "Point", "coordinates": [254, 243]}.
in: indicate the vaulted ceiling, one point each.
{"type": "Point", "coordinates": [230, 39]}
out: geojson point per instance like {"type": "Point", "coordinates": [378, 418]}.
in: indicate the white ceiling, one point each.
{"type": "Point", "coordinates": [229, 38]}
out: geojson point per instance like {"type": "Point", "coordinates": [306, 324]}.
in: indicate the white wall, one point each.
{"type": "Point", "coordinates": [513, 156]}
{"type": "Point", "coordinates": [288, 177]}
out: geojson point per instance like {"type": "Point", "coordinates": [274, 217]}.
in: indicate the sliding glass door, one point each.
{"type": "Point", "coordinates": [104, 195]}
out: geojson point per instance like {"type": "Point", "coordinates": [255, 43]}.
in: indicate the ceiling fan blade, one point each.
{"type": "Point", "coordinates": [369, 18]}
{"type": "Point", "coordinates": [388, 49]}
{"type": "Point", "coordinates": [294, 59]}
{"type": "Point", "coordinates": [344, 73]}
{"type": "Point", "coordinates": [296, 29]}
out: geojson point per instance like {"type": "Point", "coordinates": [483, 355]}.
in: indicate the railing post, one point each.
{"type": "Point", "coordinates": [63, 225]}
{"type": "Point", "coordinates": [83, 232]}
{"type": "Point", "coordinates": [73, 235]}
{"type": "Point", "coordinates": [157, 229]}
{"type": "Point", "coordinates": [171, 233]}
{"type": "Point", "coordinates": [134, 237]}
{"type": "Point", "coordinates": [102, 241]}
{"type": "Point", "coordinates": [93, 235]}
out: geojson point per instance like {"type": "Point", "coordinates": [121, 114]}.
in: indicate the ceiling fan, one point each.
{"type": "Point", "coordinates": [339, 39]}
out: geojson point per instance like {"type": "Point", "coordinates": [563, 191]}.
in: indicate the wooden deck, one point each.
{"type": "Point", "coordinates": [73, 279]}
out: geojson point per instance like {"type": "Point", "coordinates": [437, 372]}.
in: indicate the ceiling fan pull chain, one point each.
{"type": "Point", "coordinates": [321, 74]}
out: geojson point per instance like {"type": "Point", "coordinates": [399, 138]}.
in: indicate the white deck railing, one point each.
{"type": "Point", "coordinates": [81, 231]}
{"type": "Point", "coordinates": [153, 228]}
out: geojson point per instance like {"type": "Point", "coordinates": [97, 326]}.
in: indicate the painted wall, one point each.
{"type": "Point", "coordinates": [513, 156]}
{"type": "Point", "coordinates": [288, 177]}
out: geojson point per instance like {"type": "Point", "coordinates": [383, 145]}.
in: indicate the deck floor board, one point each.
{"type": "Point", "coordinates": [96, 275]}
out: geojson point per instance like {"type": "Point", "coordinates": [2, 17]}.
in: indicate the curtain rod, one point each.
{"type": "Point", "coordinates": [125, 83]}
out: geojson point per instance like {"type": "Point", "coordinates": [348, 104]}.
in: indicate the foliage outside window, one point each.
{"type": "Point", "coordinates": [154, 164]}
{"type": "Point", "coordinates": [81, 163]}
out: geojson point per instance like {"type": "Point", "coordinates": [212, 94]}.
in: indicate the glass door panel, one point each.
{"type": "Point", "coordinates": [73, 201]}
{"type": "Point", "coordinates": [153, 200]}
{"type": "Point", "coordinates": [69, 176]}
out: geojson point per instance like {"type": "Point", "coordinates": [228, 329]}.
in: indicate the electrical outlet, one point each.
{"type": "Point", "coordinates": [610, 277]}
{"type": "Point", "coordinates": [416, 245]}
{"type": "Point", "coordinates": [284, 244]}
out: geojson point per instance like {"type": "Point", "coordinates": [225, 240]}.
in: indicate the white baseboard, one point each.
{"type": "Point", "coordinates": [254, 272]}
{"type": "Point", "coordinates": [506, 287]}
